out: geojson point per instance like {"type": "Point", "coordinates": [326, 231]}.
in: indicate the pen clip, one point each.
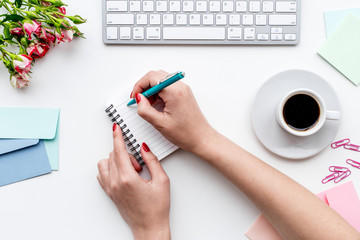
{"type": "Point", "coordinates": [168, 76]}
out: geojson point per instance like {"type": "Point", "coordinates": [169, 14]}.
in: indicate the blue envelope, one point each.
{"type": "Point", "coordinates": [22, 159]}
{"type": "Point", "coordinates": [20, 126]}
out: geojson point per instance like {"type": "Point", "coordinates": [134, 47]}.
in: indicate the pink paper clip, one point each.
{"type": "Point", "coordinates": [338, 169]}
{"type": "Point", "coordinates": [352, 147]}
{"type": "Point", "coordinates": [330, 177]}
{"type": "Point", "coordinates": [342, 176]}
{"type": "Point", "coordinates": [353, 163]}
{"type": "Point", "coordinates": [340, 143]}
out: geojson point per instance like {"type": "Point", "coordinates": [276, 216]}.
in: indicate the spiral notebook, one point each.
{"type": "Point", "coordinates": [136, 130]}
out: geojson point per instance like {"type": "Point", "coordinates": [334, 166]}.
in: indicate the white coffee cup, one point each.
{"type": "Point", "coordinates": [324, 113]}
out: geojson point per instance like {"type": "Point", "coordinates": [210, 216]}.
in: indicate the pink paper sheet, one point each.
{"type": "Point", "coordinates": [343, 199]}
{"type": "Point", "coordinates": [345, 202]}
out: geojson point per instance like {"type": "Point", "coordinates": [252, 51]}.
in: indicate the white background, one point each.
{"type": "Point", "coordinates": [80, 77]}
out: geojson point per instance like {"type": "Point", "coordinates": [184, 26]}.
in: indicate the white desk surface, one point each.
{"type": "Point", "coordinates": [80, 77]}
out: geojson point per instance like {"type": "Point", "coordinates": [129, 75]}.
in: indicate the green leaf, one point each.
{"type": "Point", "coordinates": [13, 18]}
{"type": "Point", "coordinates": [7, 33]}
{"type": "Point", "coordinates": [18, 3]}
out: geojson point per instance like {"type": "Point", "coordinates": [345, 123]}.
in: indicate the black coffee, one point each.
{"type": "Point", "coordinates": [301, 112]}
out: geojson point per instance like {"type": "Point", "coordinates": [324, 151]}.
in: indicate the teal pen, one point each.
{"type": "Point", "coordinates": [170, 79]}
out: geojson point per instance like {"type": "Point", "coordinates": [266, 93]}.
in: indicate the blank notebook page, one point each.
{"type": "Point", "coordinates": [136, 130]}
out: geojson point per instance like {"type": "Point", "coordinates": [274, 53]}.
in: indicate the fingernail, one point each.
{"type": "Point", "coordinates": [114, 127]}
{"type": "Point", "coordinates": [137, 98]}
{"type": "Point", "coordinates": [145, 147]}
{"type": "Point", "coordinates": [131, 94]}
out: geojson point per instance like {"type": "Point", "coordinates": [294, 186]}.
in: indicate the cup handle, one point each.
{"type": "Point", "coordinates": [333, 115]}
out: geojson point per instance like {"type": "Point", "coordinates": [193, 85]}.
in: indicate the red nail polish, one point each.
{"type": "Point", "coordinates": [114, 127]}
{"type": "Point", "coordinates": [131, 94]}
{"type": "Point", "coordinates": [137, 98]}
{"type": "Point", "coordinates": [145, 147]}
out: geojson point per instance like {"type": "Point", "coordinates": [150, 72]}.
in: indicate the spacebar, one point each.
{"type": "Point", "coordinates": [194, 33]}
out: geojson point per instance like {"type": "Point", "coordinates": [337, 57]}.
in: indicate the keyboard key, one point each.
{"type": "Point", "coordinates": [234, 33]}
{"type": "Point", "coordinates": [261, 20]}
{"type": "Point", "coordinates": [153, 33]}
{"type": "Point", "coordinates": [234, 19]}
{"type": "Point", "coordinates": [174, 6]}
{"type": "Point", "coordinates": [221, 19]}
{"type": "Point", "coordinates": [290, 37]}
{"type": "Point", "coordinates": [168, 19]}
{"type": "Point", "coordinates": [125, 33]}
{"type": "Point", "coordinates": [268, 6]}
{"type": "Point", "coordinates": [263, 37]}
{"type": "Point", "coordinates": [276, 30]}
{"type": "Point", "coordinates": [282, 20]}
{"type": "Point", "coordinates": [208, 19]}
{"type": "Point", "coordinates": [214, 6]}
{"type": "Point", "coordinates": [241, 6]}
{"type": "Point", "coordinates": [134, 6]}
{"type": "Point", "coordinates": [161, 6]}
{"type": "Point", "coordinates": [276, 37]}
{"type": "Point", "coordinates": [116, 6]}
{"type": "Point", "coordinates": [194, 19]}
{"type": "Point", "coordinates": [111, 33]}
{"type": "Point", "coordinates": [148, 6]}
{"type": "Point", "coordinates": [138, 33]}
{"type": "Point", "coordinates": [248, 19]}
{"type": "Point", "coordinates": [201, 6]}
{"type": "Point", "coordinates": [249, 33]}
{"type": "Point", "coordinates": [141, 19]}
{"type": "Point", "coordinates": [181, 19]}
{"type": "Point", "coordinates": [284, 7]}
{"type": "Point", "coordinates": [228, 6]}
{"type": "Point", "coordinates": [194, 33]}
{"type": "Point", "coordinates": [120, 19]}
{"type": "Point", "coordinates": [188, 6]}
{"type": "Point", "coordinates": [254, 6]}
{"type": "Point", "coordinates": [154, 19]}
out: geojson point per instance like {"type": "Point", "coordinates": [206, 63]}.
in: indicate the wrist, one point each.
{"type": "Point", "coordinates": [207, 142]}
{"type": "Point", "coordinates": [155, 233]}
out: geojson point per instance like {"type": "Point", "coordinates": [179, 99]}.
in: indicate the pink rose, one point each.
{"type": "Point", "coordinates": [37, 49]}
{"type": "Point", "coordinates": [62, 10]}
{"type": "Point", "coordinates": [68, 35]}
{"type": "Point", "coordinates": [47, 35]}
{"type": "Point", "coordinates": [19, 80]}
{"type": "Point", "coordinates": [22, 66]}
{"type": "Point", "coordinates": [17, 32]}
{"type": "Point", "coordinates": [59, 37]}
{"type": "Point", "coordinates": [31, 27]}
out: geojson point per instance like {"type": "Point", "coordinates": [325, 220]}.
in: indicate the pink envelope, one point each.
{"type": "Point", "coordinates": [343, 199]}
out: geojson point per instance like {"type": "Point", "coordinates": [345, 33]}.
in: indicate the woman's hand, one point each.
{"type": "Point", "coordinates": [144, 204]}
{"type": "Point", "coordinates": [181, 121]}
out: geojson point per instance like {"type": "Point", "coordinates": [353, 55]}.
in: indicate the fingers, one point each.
{"type": "Point", "coordinates": [135, 163]}
{"type": "Point", "coordinates": [149, 80]}
{"type": "Point", "coordinates": [121, 157]}
{"type": "Point", "coordinates": [103, 176]}
{"type": "Point", "coordinates": [156, 171]}
{"type": "Point", "coordinates": [147, 112]}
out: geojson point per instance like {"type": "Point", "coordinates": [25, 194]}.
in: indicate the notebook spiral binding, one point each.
{"type": "Point", "coordinates": [129, 139]}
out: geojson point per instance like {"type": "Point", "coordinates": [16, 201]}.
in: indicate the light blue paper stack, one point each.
{"type": "Point", "coordinates": [29, 144]}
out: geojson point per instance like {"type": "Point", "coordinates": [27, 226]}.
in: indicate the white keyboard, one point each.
{"type": "Point", "coordinates": [264, 22]}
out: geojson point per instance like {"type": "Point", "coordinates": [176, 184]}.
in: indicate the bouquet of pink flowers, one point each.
{"type": "Point", "coordinates": [33, 26]}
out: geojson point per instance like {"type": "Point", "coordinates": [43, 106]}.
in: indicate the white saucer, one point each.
{"type": "Point", "coordinates": [268, 130]}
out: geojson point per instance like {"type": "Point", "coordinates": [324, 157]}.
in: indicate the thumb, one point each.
{"type": "Point", "coordinates": [153, 164]}
{"type": "Point", "coordinates": [148, 112]}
